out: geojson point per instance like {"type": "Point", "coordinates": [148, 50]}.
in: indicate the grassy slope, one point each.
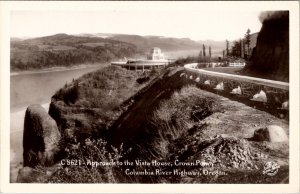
{"type": "Point", "coordinates": [90, 104]}
{"type": "Point", "coordinates": [188, 123]}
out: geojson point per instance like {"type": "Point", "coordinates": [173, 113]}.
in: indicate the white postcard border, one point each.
{"type": "Point", "coordinates": [293, 186]}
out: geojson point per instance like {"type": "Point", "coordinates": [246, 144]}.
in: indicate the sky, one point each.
{"type": "Point", "coordinates": [194, 24]}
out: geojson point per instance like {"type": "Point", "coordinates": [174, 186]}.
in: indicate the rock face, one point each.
{"type": "Point", "coordinates": [272, 133]}
{"type": "Point", "coordinates": [271, 54]}
{"type": "Point", "coordinates": [41, 138]}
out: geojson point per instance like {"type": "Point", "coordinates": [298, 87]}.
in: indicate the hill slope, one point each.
{"type": "Point", "coordinates": [66, 50]}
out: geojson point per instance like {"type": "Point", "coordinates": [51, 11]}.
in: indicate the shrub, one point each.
{"type": "Point", "coordinates": [84, 172]}
{"type": "Point", "coordinates": [143, 79]}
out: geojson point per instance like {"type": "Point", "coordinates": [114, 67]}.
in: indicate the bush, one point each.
{"type": "Point", "coordinates": [84, 171]}
{"type": "Point", "coordinates": [143, 79]}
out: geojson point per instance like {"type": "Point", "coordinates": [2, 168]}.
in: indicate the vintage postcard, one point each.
{"type": "Point", "coordinates": [159, 97]}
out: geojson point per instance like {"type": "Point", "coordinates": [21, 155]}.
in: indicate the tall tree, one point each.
{"type": "Point", "coordinates": [247, 41]}
{"type": "Point", "coordinates": [203, 48]}
{"type": "Point", "coordinates": [241, 45]}
{"type": "Point", "coordinates": [236, 49]}
{"type": "Point", "coordinates": [209, 51]}
{"type": "Point", "coordinates": [244, 48]}
{"type": "Point", "coordinates": [200, 57]}
{"type": "Point", "coordinates": [200, 54]}
{"type": "Point", "coordinates": [227, 47]}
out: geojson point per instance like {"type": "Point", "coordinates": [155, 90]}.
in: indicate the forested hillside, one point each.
{"type": "Point", "coordinates": [66, 50]}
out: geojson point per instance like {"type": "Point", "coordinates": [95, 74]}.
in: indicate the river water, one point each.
{"type": "Point", "coordinates": [34, 88]}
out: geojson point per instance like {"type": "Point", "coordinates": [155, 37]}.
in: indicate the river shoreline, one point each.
{"type": "Point", "coordinates": [39, 86]}
{"type": "Point", "coordinates": [56, 69]}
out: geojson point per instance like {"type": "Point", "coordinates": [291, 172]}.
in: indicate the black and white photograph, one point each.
{"type": "Point", "coordinates": [151, 94]}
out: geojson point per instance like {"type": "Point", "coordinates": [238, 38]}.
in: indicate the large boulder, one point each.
{"type": "Point", "coordinates": [271, 133]}
{"type": "Point", "coordinates": [41, 140]}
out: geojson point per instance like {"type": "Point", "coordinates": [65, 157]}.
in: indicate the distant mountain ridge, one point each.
{"type": "Point", "coordinates": [144, 43]}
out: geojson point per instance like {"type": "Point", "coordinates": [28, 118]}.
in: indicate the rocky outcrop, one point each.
{"type": "Point", "coordinates": [271, 133]}
{"type": "Point", "coordinates": [271, 54]}
{"type": "Point", "coordinates": [41, 140]}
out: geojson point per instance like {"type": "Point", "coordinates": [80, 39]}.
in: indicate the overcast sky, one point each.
{"type": "Point", "coordinates": [195, 24]}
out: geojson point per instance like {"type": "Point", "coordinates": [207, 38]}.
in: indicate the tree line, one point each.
{"type": "Point", "coordinates": [203, 56]}
{"type": "Point", "coordinates": [240, 48]}
{"type": "Point", "coordinates": [24, 58]}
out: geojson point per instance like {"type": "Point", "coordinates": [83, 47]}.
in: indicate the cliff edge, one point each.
{"type": "Point", "coordinates": [271, 55]}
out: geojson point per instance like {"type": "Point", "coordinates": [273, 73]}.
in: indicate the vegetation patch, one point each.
{"type": "Point", "coordinates": [92, 162]}
{"type": "Point", "coordinates": [90, 104]}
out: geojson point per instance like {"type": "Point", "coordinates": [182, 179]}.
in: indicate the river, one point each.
{"type": "Point", "coordinates": [34, 88]}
